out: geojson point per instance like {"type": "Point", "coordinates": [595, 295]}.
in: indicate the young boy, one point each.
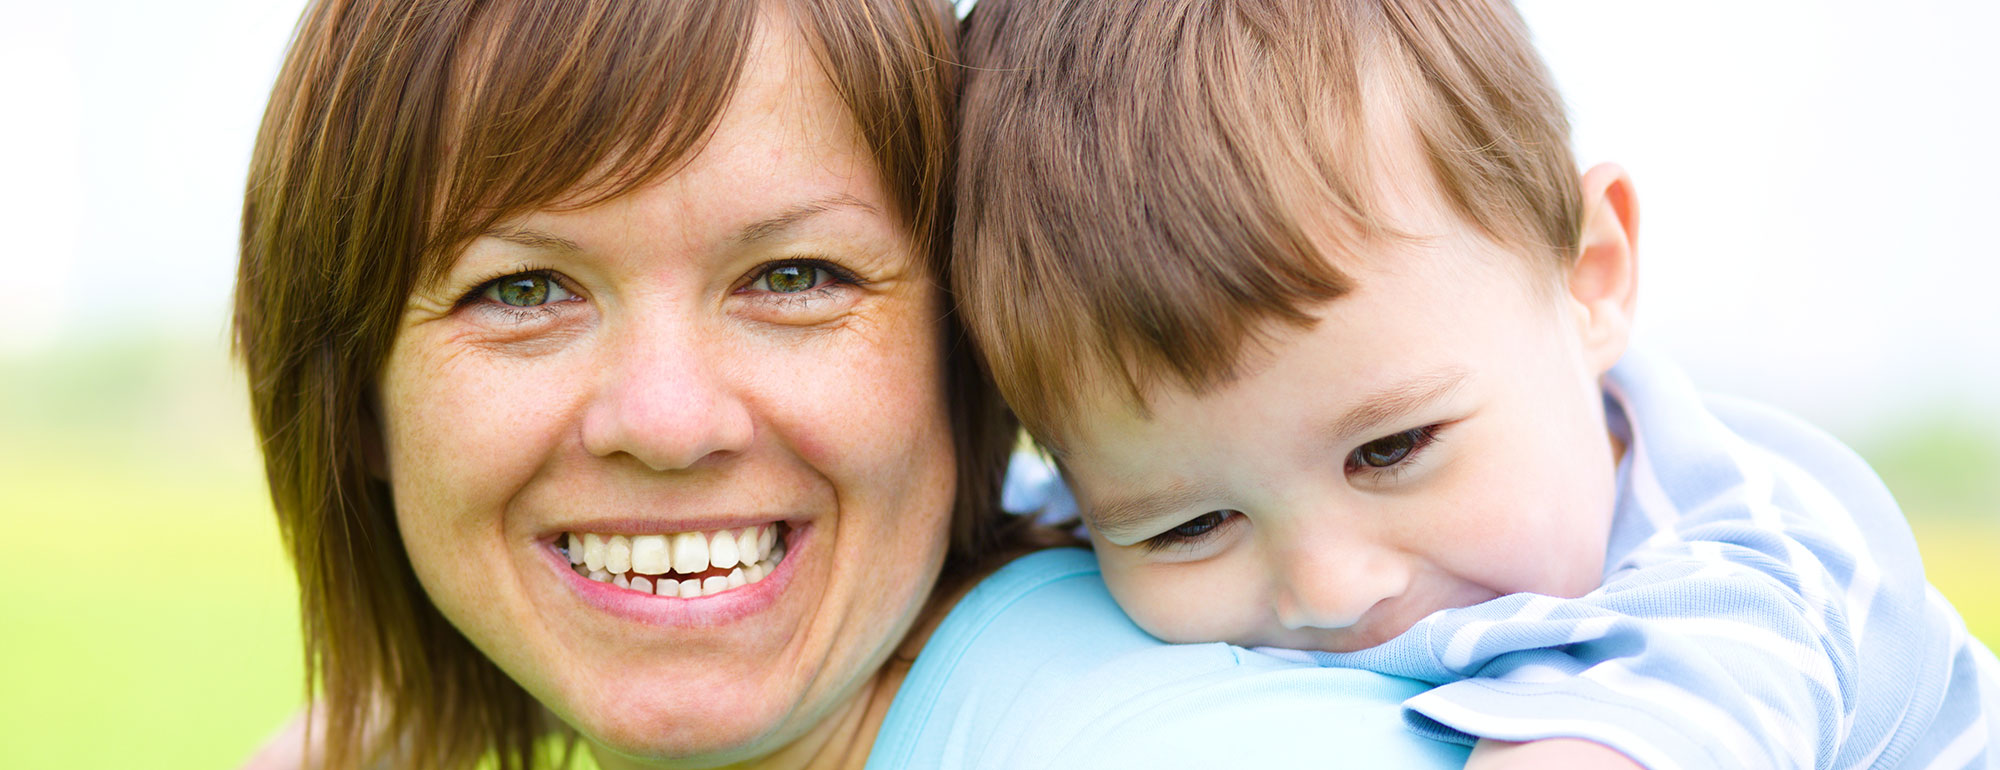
{"type": "Point", "coordinates": [1329, 339]}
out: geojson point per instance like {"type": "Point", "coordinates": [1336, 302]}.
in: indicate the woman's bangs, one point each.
{"type": "Point", "coordinates": [571, 104]}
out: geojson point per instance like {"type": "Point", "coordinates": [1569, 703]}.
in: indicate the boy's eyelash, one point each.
{"type": "Point", "coordinates": [1421, 440]}
{"type": "Point", "coordinates": [1172, 539]}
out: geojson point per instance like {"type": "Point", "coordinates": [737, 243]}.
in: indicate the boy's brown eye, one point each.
{"type": "Point", "coordinates": [1199, 525]}
{"type": "Point", "coordinates": [1386, 451]}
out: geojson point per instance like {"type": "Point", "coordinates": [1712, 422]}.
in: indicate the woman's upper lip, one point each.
{"type": "Point", "coordinates": [651, 526]}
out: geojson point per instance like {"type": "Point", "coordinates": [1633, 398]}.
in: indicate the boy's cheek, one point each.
{"type": "Point", "coordinates": [1178, 603]}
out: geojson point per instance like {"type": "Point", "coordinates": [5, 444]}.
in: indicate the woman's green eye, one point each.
{"type": "Point", "coordinates": [526, 290]}
{"type": "Point", "coordinates": [792, 279]}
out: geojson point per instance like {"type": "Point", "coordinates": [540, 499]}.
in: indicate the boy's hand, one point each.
{"type": "Point", "coordinates": [1547, 755]}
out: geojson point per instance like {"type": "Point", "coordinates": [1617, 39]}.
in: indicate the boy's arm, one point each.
{"type": "Point", "coordinates": [1551, 754]}
{"type": "Point", "coordinates": [1688, 663]}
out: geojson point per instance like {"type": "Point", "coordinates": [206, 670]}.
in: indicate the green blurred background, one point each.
{"type": "Point", "coordinates": [151, 620]}
{"type": "Point", "coordinates": [1816, 183]}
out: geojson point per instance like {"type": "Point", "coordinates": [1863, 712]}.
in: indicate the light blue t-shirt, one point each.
{"type": "Point", "coordinates": [1037, 668]}
{"type": "Point", "coordinates": [1763, 607]}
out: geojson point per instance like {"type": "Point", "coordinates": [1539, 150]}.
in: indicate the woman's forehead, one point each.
{"type": "Point", "coordinates": [768, 143]}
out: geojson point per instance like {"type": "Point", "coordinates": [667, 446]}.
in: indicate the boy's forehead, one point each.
{"type": "Point", "coordinates": [1398, 336]}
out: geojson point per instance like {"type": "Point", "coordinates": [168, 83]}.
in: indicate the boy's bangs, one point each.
{"type": "Point", "coordinates": [1144, 227]}
{"type": "Point", "coordinates": [1147, 188]}
{"type": "Point", "coordinates": [571, 104]}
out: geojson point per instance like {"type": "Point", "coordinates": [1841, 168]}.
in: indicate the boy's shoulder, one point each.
{"type": "Point", "coordinates": [1696, 459]}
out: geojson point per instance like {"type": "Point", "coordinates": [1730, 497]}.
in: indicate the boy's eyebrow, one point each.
{"type": "Point", "coordinates": [1397, 401]}
{"type": "Point", "coordinates": [1121, 516]}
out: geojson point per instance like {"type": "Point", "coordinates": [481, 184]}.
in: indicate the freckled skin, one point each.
{"type": "Point", "coordinates": [684, 381]}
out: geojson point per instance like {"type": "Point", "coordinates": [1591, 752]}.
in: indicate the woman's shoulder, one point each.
{"type": "Point", "coordinates": [1037, 667]}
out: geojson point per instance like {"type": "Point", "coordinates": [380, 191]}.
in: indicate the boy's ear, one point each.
{"type": "Point", "coordinates": [1604, 280]}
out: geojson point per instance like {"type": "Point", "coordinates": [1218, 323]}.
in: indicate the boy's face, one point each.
{"type": "Point", "coordinates": [1436, 440]}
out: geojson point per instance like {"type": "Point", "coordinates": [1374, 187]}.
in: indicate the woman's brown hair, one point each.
{"type": "Point", "coordinates": [397, 130]}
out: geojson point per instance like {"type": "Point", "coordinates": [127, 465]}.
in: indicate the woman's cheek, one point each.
{"type": "Point", "coordinates": [865, 398]}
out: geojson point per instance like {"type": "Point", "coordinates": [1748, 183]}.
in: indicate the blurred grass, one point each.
{"type": "Point", "coordinates": [1945, 472]}
{"type": "Point", "coordinates": [151, 619]}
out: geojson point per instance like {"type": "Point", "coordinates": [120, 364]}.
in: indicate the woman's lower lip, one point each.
{"type": "Point", "coordinates": [720, 608]}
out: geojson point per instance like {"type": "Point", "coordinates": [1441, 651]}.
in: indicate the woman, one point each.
{"type": "Point", "coordinates": [542, 302]}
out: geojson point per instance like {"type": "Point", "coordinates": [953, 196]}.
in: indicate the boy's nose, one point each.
{"type": "Point", "coordinates": [1334, 586]}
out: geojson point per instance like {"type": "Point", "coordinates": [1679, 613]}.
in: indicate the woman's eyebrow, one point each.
{"type": "Point", "coordinates": [751, 233]}
{"type": "Point", "coordinates": [773, 225]}
{"type": "Point", "coordinates": [534, 239]}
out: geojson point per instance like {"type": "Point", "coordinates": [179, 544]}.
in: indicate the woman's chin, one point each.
{"type": "Point", "coordinates": [719, 732]}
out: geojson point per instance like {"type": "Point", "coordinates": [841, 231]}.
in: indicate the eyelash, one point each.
{"type": "Point", "coordinates": [1420, 439]}
{"type": "Point", "coordinates": [837, 275]}
{"type": "Point", "coordinates": [516, 313]}
{"type": "Point", "coordinates": [1174, 539]}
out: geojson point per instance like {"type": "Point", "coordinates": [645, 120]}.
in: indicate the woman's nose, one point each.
{"type": "Point", "coordinates": [1333, 584]}
{"type": "Point", "coordinates": [665, 398]}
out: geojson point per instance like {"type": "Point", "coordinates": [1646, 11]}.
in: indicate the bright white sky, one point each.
{"type": "Point", "coordinates": [1817, 179]}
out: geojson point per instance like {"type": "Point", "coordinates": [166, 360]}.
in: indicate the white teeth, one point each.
{"type": "Point", "coordinates": [722, 550]}
{"type": "Point", "coordinates": [650, 555]}
{"type": "Point", "coordinates": [593, 552]}
{"type": "Point", "coordinates": [750, 554]}
{"type": "Point", "coordinates": [617, 554]}
{"type": "Point", "coordinates": [690, 553]}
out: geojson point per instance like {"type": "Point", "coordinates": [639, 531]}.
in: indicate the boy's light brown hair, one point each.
{"type": "Point", "coordinates": [1137, 180]}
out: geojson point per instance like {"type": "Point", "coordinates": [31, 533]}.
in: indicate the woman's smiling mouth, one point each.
{"type": "Point", "coordinates": [685, 565]}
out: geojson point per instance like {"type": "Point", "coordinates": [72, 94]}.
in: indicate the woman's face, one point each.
{"type": "Point", "coordinates": [748, 345]}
